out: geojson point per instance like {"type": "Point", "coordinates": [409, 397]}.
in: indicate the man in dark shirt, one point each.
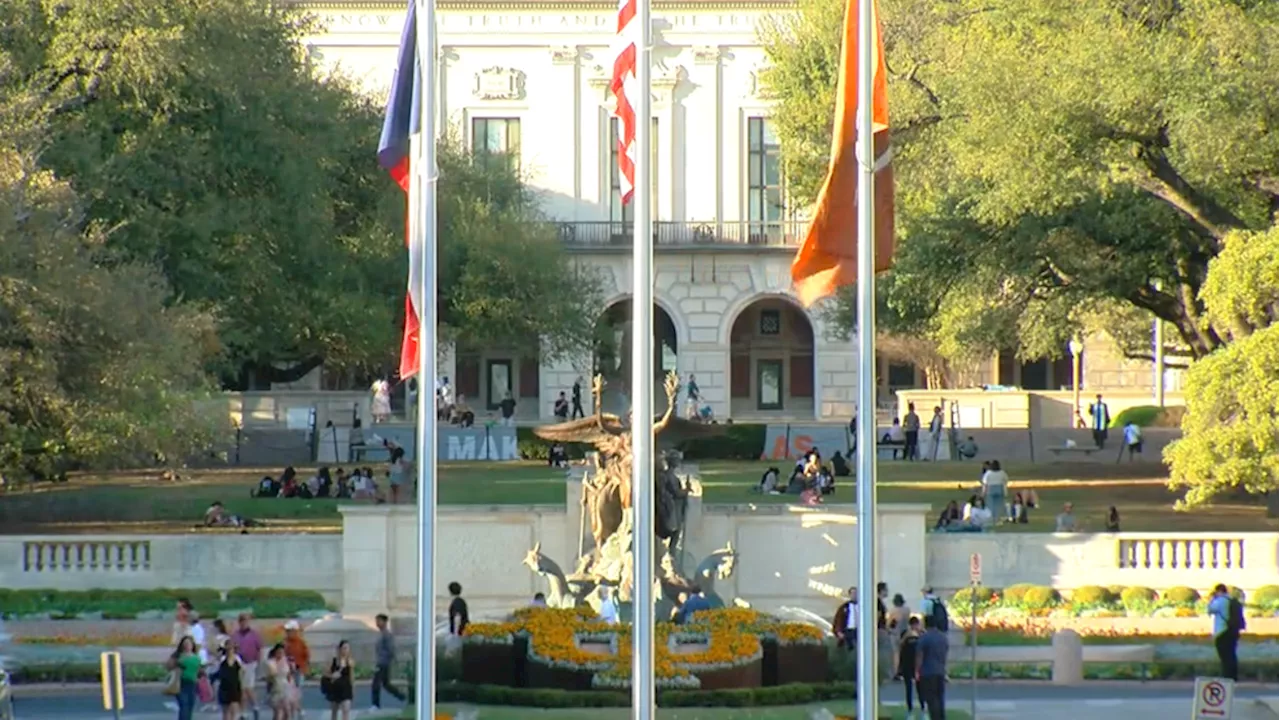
{"type": "Point", "coordinates": [385, 656]}
{"type": "Point", "coordinates": [577, 399]}
{"type": "Point", "coordinates": [458, 617]}
{"type": "Point", "coordinates": [907, 663]}
{"type": "Point", "coordinates": [931, 669]}
{"type": "Point", "coordinates": [911, 432]}
{"type": "Point", "coordinates": [508, 408]}
{"type": "Point", "coordinates": [561, 408]}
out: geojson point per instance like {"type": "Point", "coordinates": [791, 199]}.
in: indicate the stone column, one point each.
{"type": "Point", "coordinates": [1068, 658]}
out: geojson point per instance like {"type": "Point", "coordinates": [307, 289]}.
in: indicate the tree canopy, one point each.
{"type": "Point", "coordinates": [96, 368]}
{"type": "Point", "coordinates": [1230, 430]}
{"type": "Point", "coordinates": [1062, 167]}
{"type": "Point", "coordinates": [198, 132]}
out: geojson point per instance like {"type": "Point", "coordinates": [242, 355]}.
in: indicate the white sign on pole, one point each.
{"type": "Point", "coordinates": [1213, 699]}
{"type": "Point", "coordinates": [975, 569]}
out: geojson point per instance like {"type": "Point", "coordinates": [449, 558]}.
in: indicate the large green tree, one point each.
{"type": "Point", "coordinates": [1230, 430]}
{"type": "Point", "coordinates": [96, 367]}
{"type": "Point", "coordinates": [1062, 167]}
{"type": "Point", "coordinates": [198, 131]}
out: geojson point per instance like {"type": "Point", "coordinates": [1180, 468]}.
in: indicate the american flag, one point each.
{"type": "Point", "coordinates": [624, 88]}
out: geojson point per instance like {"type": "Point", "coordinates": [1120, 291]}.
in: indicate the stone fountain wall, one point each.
{"type": "Point", "coordinates": [788, 557]}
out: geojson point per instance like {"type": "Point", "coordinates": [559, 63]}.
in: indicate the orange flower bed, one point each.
{"type": "Point", "coordinates": [563, 638]}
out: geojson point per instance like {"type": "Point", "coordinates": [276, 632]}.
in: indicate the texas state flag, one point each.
{"type": "Point", "coordinates": [404, 109]}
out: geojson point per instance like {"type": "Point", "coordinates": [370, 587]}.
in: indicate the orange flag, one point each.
{"type": "Point", "coordinates": [828, 258]}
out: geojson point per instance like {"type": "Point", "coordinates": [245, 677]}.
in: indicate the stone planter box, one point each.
{"type": "Point", "coordinates": [489, 664]}
{"type": "Point", "coordinates": [787, 664]}
{"type": "Point", "coordinates": [541, 675]}
{"type": "Point", "coordinates": [743, 676]}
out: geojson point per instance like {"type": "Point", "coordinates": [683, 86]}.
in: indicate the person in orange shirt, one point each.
{"type": "Point", "coordinates": [296, 650]}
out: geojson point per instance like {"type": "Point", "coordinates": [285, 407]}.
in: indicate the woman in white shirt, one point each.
{"type": "Point", "coordinates": [976, 513]}
{"type": "Point", "coordinates": [994, 483]}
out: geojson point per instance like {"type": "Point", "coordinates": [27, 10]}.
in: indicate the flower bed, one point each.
{"type": "Point", "coordinates": [566, 646]}
{"type": "Point", "coordinates": [1021, 601]}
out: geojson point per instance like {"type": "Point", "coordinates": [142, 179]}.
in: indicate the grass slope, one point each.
{"type": "Point", "coordinates": [142, 503]}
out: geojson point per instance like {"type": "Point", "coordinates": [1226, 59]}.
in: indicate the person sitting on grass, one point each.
{"type": "Point", "coordinates": [1113, 520]}
{"type": "Point", "coordinates": [218, 517]}
{"type": "Point", "coordinates": [557, 457]}
{"type": "Point", "coordinates": [949, 516]}
{"type": "Point", "coordinates": [840, 465]}
{"type": "Point", "coordinates": [976, 514]}
{"type": "Point", "coordinates": [967, 449]}
{"type": "Point", "coordinates": [769, 482]}
{"type": "Point", "coordinates": [1018, 509]}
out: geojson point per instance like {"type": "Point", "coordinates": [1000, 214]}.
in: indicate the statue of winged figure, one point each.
{"type": "Point", "coordinates": [607, 490]}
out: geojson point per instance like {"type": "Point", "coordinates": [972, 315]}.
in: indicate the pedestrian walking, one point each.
{"type": "Point", "coordinates": [931, 669]}
{"type": "Point", "coordinates": [1228, 623]}
{"type": "Point", "coordinates": [386, 657]}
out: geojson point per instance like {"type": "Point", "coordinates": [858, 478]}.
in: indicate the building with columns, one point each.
{"type": "Point", "coordinates": [530, 78]}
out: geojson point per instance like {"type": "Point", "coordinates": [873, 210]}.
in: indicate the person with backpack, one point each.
{"type": "Point", "coordinates": [932, 606]}
{"type": "Point", "coordinates": [1228, 622]}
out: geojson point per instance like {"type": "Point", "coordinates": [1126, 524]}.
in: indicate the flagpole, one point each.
{"type": "Point", "coordinates": [642, 382]}
{"type": "Point", "coordinates": [423, 173]}
{"type": "Point", "coordinates": [868, 674]}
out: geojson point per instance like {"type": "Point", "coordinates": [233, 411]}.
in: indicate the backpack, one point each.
{"type": "Point", "coordinates": [940, 619]}
{"type": "Point", "coordinates": [1235, 615]}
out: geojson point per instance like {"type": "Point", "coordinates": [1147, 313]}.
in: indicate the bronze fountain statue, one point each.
{"type": "Point", "coordinates": [606, 500]}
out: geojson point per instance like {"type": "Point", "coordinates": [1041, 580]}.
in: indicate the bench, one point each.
{"type": "Point", "coordinates": [1086, 451]}
{"type": "Point", "coordinates": [890, 450]}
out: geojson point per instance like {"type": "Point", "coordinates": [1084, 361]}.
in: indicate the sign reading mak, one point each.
{"type": "Point", "coordinates": [495, 443]}
{"type": "Point", "coordinates": [547, 23]}
{"type": "Point", "coordinates": [452, 444]}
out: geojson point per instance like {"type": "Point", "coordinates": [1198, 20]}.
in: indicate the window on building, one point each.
{"type": "Point", "coordinates": [766, 204]}
{"type": "Point", "coordinates": [624, 215]}
{"type": "Point", "coordinates": [495, 138]}
{"type": "Point", "coordinates": [770, 322]}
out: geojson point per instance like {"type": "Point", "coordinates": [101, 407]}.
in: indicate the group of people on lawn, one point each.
{"type": "Point", "coordinates": [810, 478]}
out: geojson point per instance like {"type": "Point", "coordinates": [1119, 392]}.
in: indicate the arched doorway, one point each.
{"type": "Point", "coordinates": [613, 353]}
{"type": "Point", "coordinates": [771, 355]}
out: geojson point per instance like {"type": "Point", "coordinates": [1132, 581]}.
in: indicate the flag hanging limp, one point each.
{"type": "Point", "coordinates": [402, 121]}
{"type": "Point", "coordinates": [827, 259]}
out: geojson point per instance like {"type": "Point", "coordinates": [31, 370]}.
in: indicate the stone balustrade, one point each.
{"type": "Point", "coordinates": [1246, 560]}
{"type": "Point", "coordinates": [93, 556]}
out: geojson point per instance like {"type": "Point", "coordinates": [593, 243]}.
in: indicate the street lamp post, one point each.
{"type": "Point", "coordinates": [1076, 347]}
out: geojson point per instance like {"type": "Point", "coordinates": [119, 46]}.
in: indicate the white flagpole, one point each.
{"type": "Point", "coordinates": [423, 173]}
{"type": "Point", "coordinates": [642, 678]}
{"type": "Point", "coordinates": [868, 673]}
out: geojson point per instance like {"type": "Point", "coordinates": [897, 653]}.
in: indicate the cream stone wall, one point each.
{"type": "Point", "coordinates": [789, 557]}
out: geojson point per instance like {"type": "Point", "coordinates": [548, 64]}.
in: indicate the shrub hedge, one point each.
{"type": "Point", "coordinates": [1181, 596]}
{"type": "Point", "coordinates": [795, 694]}
{"type": "Point", "coordinates": [1150, 416]}
{"type": "Point", "coordinates": [127, 604]}
{"type": "Point", "coordinates": [1089, 595]}
{"type": "Point", "coordinates": [1039, 598]}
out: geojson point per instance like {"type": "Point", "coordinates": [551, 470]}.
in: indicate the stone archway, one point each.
{"type": "Point", "coordinates": [612, 357]}
{"type": "Point", "coordinates": [771, 361]}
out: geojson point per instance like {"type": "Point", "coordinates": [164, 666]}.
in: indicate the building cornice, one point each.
{"type": "Point", "coordinates": [541, 5]}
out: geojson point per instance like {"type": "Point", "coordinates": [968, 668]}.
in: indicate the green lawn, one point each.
{"type": "Point", "coordinates": [140, 502]}
{"type": "Point", "coordinates": [791, 712]}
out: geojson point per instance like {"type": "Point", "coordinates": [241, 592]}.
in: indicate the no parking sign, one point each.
{"type": "Point", "coordinates": [1213, 699]}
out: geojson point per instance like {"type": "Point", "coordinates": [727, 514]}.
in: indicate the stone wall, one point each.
{"type": "Point", "coordinates": [143, 562]}
{"type": "Point", "coordinates": [789, 557]}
